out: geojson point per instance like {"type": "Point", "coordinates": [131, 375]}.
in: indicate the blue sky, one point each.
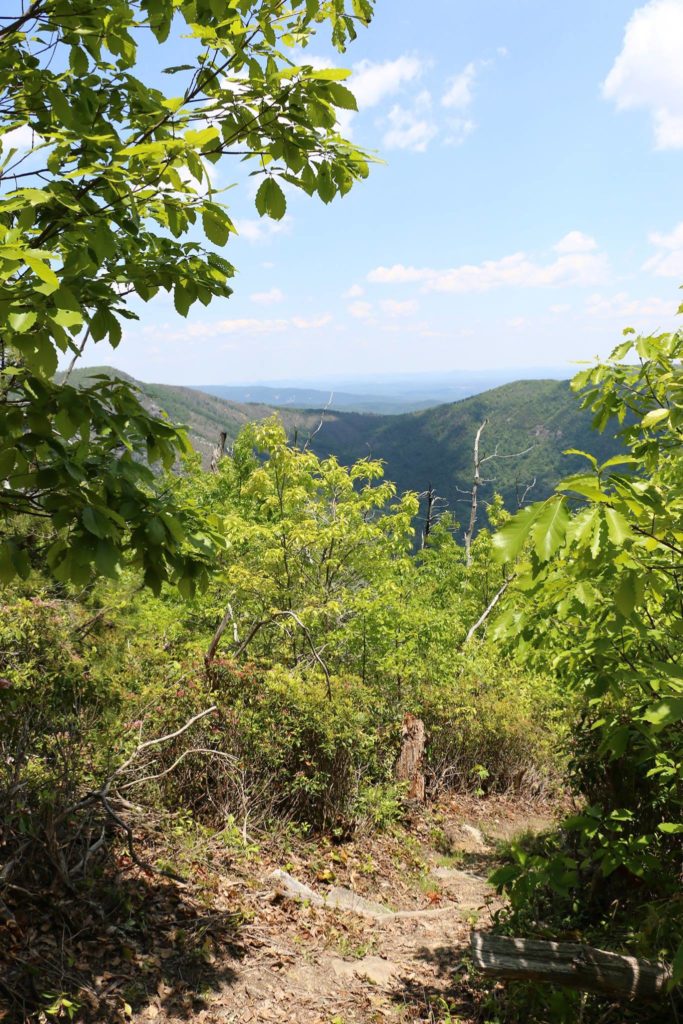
{"type": "Point", "coordinates": [528, 209]}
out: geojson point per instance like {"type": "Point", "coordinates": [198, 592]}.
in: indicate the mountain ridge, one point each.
{"type": "Point", "coordinates": [537, 418]}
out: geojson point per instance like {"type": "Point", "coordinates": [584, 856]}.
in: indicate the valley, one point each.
{"type": "Point", "coordinates": [540, 418]}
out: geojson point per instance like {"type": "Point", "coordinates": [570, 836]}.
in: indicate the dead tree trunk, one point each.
{"type": "Point", "coordinates": [435, 509]}
{"type": "Point", "coordinates": [473, 495]}
{"type": "Point", "coordinates": [430, 495]}
{"type": "Point", "coordinates": [570, 964]}
{"type": "Point", "coordinates": [410, 764]}
{"type": "Point", "coordinates": [476, 483]}
{"type": "Point", "coordinates": [218, 451]}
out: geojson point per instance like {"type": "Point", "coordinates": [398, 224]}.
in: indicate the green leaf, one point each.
{"type": "Point", "coordinates": [342, 97]}
{"type": "Point", "coordinates": [217, 225]}
{"type": "Point", "coordinates": [586, 455]}
{"type": "Point", "coordinates": [677, 968]}
{"type": "Point", "coordinates": [325, 183]}
{"type": "Point", "coordinates": [270, 199]}
{"type": "Point", "coordinates": [626, 595]}
{"type": "Point", "coordinates": [618, 528]}
{"type": "Point", "coordinates": [95, 522]}
{"type": "Point", "coordinates": [22, 322]}
{"type": "Point", "coordinates": [328, 74]}
{"type": "Point", "coordinates": [619, 460]}
{"type": "Point", "coordinates": [107, 558]}
{"type": "Point", "coordinates": [585, 485]}
{"type": "Point", "coordinates": [156, 531]}
{"type": "Point", "coordinates": [654, 416]}
{"type": "Point", "coordinates": [67, 318]}
{"type": "Point", "coordinates": [670, 828]}
{"type": "Point", "coordinates": [510, 540]}
{"type": "Point", "coordinates": [666, 712]}
{"type": "Point", "coordinates": [44, 272]}
{"type": "Point", "coordinates": [550, 528]}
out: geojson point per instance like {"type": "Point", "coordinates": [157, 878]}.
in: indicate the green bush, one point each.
{"type": "Point", "coordinates": [494, 728]}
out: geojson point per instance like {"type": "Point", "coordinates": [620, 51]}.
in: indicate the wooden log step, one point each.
{"type": "Point", "coordinates": [570, 964]}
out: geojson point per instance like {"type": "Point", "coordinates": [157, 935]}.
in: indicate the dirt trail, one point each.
{"type": "Point", "coordinates": [309, 964]}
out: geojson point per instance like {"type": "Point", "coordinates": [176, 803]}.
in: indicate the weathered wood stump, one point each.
{"type": "Point", "coordinates": [569, 963]}
{"type": "Point", "coordinates": [410, 764]}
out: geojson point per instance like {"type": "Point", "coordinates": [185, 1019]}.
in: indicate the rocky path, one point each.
{"type": "Point", "coordinates": [390, 945]}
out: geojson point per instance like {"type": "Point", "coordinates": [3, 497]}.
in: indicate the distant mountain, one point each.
{"type": "Point", "coordinates": [387, 395]}
{"type": "Point", "coordinates": [314, 398]}
{"type": "Point", "coordinates": [418, 448]}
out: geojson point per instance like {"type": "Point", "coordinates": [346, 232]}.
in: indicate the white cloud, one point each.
{"type": "Point", "coordinates": [668, 261]}
{"type": "Point", "coordinates": [459, 93]}
{"type": "Point", "coordinates": [242, 325]}
{"type": "Point", "coordinates": [268, 298]}
{"type": "Point", "coordinates": [460, 128]}
{"type": "Point", "coordinates": [517, 323]}
{"type": "Point", "coordinates": [397, 308]}
{"type": "Point", "coordinates": [254, 325]}
{"type": "Point", "coordinates": [576, 267]}
{"type": "Point", "coordinates": [311, 323]}
{"type": "Point", "coordinates": [399, 274]}
{"type": "Point", "coordinates": [261, 230]}
{"type": "Point", "coordinates": [354, 292]}
{"type": "Point", "coordinates": [559, 308]}
{"type": "Point", "coordinates": [576, 241]}
{"type": "Point", "coordinates": [411, 128]}
{"type": "Point", "coordinates": [371, 83]}
{"type": "Point", "coordinates": [648, 73]}
{"type": "Point", "coordinates": [360, 310]}
{"type": "Point", "coordinates": [621, 307]}
{"type": "Point", "coordinates": [22, 137]}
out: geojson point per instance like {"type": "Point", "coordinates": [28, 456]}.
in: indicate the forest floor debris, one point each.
{"type": "Point", "coordinates": [231, 946]}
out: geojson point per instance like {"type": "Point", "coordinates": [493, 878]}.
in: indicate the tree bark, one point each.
{"type": "Point", "coordinates": [570, 964]}
{"type": "Point", "coordinates": [410, 764]}
{"type": "Point", "coordinates": [218, 451]}
{"type": "Point", "coordinates": [476, 483]}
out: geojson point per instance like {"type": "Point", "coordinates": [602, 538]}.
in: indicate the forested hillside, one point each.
{"type": "Point", "coordinates": [537, 417]}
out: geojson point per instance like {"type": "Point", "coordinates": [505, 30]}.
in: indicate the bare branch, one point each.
{"type": "Point", "coordinates": [484, 616]}
{"type": "Point", "coordinates": [216, 639]}
{"type": "Point", "coordinates": [322, 420]}
{"type": "Point", "coordinates": [314, 651]}
{"type": "Point", "coordinates": [159, 739]}
{"type": "Point", "coordinates": [167, 771]}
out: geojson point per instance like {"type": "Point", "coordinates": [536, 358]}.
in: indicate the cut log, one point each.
{"type": "Point", "coordinates": [410, 764]}
{"type": "Point", "coordinates": [570, 964]}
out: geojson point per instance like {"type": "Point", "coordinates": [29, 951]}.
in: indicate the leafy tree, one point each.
{"type": "Point", "coordinates": [112, 198]}
{"type": "Point", "coordinates": [305, 538]}
{"type": "Point", "coordinates": [598, 595]}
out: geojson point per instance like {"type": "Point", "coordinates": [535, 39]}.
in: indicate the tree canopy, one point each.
{"type": "Point", "coordinates": [106, 193]}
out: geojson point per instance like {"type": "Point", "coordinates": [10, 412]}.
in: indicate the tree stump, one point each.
{"type": "Point", "coordinates": [410, 764]}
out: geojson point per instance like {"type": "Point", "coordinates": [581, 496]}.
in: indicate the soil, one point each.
{"type": "Point", "coordinates": [310, 964]}
{"type": "Point", "coordinates": [231, 945]}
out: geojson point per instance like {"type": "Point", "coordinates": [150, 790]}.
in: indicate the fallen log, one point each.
{"type": "Point", "coordinates": [339, 898]}
{"type": "Point", "coordinates": [570, 964]}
